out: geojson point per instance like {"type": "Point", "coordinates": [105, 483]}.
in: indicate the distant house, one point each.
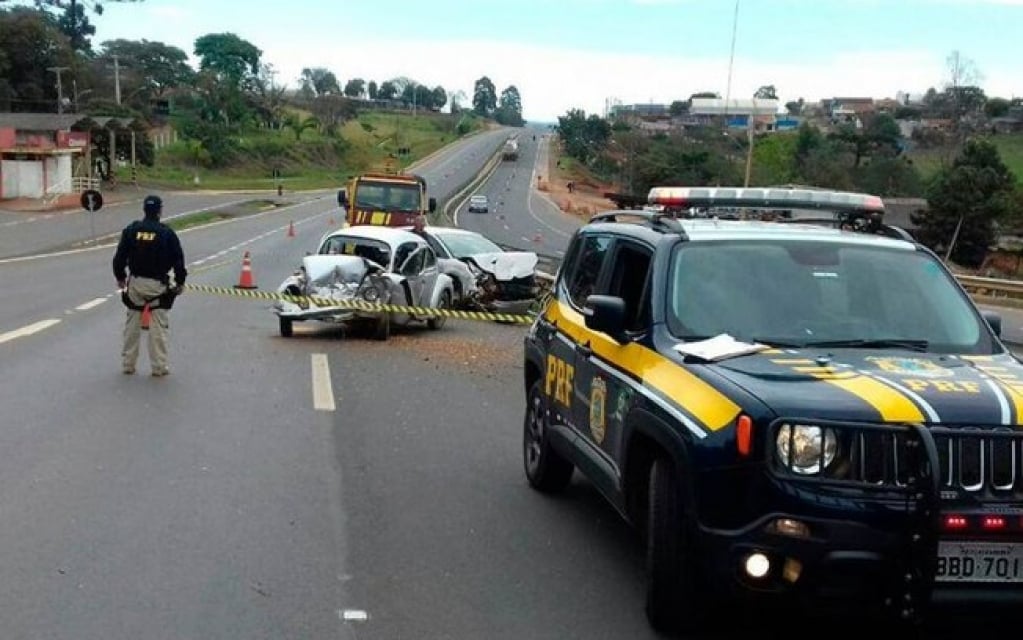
{"type": "Point", "coordinates": [736, 113]}
{"type": "Point", "coordinates": [37, 152]}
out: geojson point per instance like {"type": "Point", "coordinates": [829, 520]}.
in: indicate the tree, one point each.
{"type": "Point", "coordinates": [456, 101]}
{"type": "Point", "coordinates": [387, 91]}
{"type": "Point", "coordinates": [766, 92]}
{"type": "Point", "coordinates": [372, 89]}
{"type": "Point", "coordinates": [584, 138]}
{"type": "Point", "coordinates": [970, 197]}
{"type": "Point", "coordinates": [231, 58]}
{"type": "Point", "coordinates": [76, 26]}
{"type": "Point", "coordinates": [318, 81]}
{"type": "Point", "coordinates": [30, 43]}
{"type": "Point", "coordinates": [996, 107]}
{"type": "Point", "coordinates": [484, 97]}
{"type": "Point", "coordinates": [795, 108]}
{"type": "Point", "coordinates": [440, 97]}
{"type": "Point", "coordinates": [678, 107]}
{"type": "Point", "coordinates": [962, 73]}
{"type": "Point", "coordinates": [299, 125]}
{"type": "Point", "coordinates": [704, 94]}
{"type": "Point", "coordinates": [160, 67]}
{"type": "Point", "coordinates": [355, 87]}
{"type": "Point", "coordinates": [73, 20]}
{"type": "Point", "coordinates": [509, 110]}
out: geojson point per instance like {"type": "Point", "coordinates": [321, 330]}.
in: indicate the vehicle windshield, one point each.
{"type": "Point", "coordinates": [375, 250]}
{"type": "Point", "coordinates": [387, 197]}
{"type": "Point", "coordinates": [805, 293]}
{"type": "Point", "coordinates": [461, 245]}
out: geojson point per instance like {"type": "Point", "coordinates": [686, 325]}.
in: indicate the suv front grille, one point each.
{"type": "Point", "coordinates": [972, 462]}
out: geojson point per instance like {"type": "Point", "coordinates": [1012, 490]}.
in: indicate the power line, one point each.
{"type": "Point", "coordinates": [731, 58]}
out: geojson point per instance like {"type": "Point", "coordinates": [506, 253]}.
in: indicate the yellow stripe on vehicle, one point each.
{"type": "Point", "coordinates": [890, 403]}
{"type": "Point", "coordinates": [1008, 382]}
{"type": "Point", "coordinates": [710, 407]}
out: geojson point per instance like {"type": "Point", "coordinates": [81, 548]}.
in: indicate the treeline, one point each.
{"type": "Point", "coordinates": [975, 193]}
{"type": "Point", "coordinates": [48, 63]}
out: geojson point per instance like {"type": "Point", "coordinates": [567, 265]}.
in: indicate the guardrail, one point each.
{"type": "Point", "coordinates": [995, 287]}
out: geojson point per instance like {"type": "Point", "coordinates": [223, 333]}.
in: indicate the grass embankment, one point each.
{"type": "Point", "coordinates": [316, 160]}
{"type": "Point", "coordinates": [1010, 147]}
{"type": "Point", "coordinates": [215, 215]}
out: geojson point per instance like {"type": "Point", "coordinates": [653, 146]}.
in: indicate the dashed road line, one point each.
{"type": "Point", "coordinates": [323, 392]}
{"type": "Point", "coordinates": [33, 328]}
{"type": "Point", "coordinates": [90, 304]}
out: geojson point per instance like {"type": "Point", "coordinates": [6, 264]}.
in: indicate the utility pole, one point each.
{"type": "Point", "coordinates": [60, 89]}
{"type": "Point", "coordinates": [117, 81]}
{"type": "Point", "coordinates": [749, 134]}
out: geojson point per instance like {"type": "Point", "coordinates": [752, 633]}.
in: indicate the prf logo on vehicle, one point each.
{"type": "Point", "coordinates": [792, 403]}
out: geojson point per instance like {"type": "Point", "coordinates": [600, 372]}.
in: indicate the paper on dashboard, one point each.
{"type": "Point", "coordinates": [720, 347]}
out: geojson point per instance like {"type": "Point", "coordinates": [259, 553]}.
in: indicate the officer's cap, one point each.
{"type": "Point", "coordinates": [152, 205]}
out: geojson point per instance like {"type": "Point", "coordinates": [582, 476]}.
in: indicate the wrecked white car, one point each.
{"type": "Point", "coordinates": [366, 264]}
{"type": "Point", "coordinates": [501, 281]}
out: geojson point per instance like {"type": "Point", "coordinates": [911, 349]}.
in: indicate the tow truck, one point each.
{"type": "Point", "coordinates": [386, 199]}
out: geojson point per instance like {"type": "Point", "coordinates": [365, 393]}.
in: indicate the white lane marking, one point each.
{"type": "Point", "coordinates": [90, 304]}
{"type": "Point", "coordinates": [323, 393]}
{"type": "Point", "coordinates": [111, 245]}
{"type": "Point", "coordinates": [35, 327]}
{"type": "Point", "coordinates": [353, 615]}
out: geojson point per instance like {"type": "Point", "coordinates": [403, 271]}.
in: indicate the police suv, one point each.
{"type": "Point", "coordinates": [799, 404]}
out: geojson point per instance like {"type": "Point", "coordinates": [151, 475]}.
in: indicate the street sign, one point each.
{"type": "Point", "coordinates": [92, 200]}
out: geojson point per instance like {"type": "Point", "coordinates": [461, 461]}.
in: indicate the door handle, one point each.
{"type": "Point", "coordinates": [584, 350]}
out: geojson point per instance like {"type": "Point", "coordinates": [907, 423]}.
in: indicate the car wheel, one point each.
{"type": "Point", "coordinates": [382, 330]}
{"type": "Point", "coordinates": [286, 327]}
{"type": "Point", "coordinates": [437, 322]}
{"type": "Point", "coordinates": [674, 599]}
{"type": "Point", "coordinates": [546, 470]}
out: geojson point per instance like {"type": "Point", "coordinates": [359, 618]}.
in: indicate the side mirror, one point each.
{"type": "Point", "coordinates": [342, 198]}
{"type": "Point", "coordinates": [433, 204]}
{"type": "Point", "coordinates": [607, 315]}
{"type": "Point", "coordinates": [994, 320]}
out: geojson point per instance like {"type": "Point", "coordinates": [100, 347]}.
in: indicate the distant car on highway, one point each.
{"type": "Point", "coordinates": [479, 204]}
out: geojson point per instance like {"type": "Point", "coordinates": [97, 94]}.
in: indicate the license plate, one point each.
{"type": "Point", "coordinates": [980, 562]}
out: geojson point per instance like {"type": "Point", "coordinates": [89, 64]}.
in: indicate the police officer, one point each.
{"type": "Point", "coordinates": [149, 250]}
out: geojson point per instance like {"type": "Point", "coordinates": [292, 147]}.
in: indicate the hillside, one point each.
{"type": "Point", "coordinates": [1010, 146]}
{"type": "Point", "coordinates": [313, 160]}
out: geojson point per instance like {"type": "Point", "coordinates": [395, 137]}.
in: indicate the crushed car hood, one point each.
{"type": "Point", "coordinates": [889, 386]}
{"type": "Point", "coordinates": [338, 268]}
{"type": "Point", "coordinates": [506, 265]}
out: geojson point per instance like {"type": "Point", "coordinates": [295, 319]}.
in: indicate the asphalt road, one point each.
{"type": "Point", "coordinates": [219, 502]}
{"type": "Point", "coordinates": [519, 215]}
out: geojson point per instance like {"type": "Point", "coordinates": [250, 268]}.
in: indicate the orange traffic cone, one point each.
{"type": "Point", "coordinates": [291, 229]}
{"type": "Point", "coordinates": [146, 315]}
{"type": "Point", "coordinates": [245, 280]}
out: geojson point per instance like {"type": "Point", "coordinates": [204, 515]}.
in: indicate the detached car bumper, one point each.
{"type": "Point", "coordinates": [296, 313]}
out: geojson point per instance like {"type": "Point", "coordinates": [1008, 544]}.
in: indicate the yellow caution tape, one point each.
{"type": "Point", "coordinates": [362, 305]}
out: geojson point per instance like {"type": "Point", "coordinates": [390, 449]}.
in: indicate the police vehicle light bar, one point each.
{"type": "Point", "coordinates": [764, 198]}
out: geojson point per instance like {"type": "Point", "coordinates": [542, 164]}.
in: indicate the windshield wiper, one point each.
{"type": "Point", "coordinates": [874, 343]}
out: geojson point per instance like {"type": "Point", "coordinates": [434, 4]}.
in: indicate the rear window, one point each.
{"type": "Point", "coordinates": [375, 250]}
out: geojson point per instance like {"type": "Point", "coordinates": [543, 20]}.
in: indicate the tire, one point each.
{"type": "Point", "coordinates": [546, 470]}
{"type": "Point", "coordinates": [382, 329]}
{"type": "Point", "coordinates": [287, 327]}
{"type": "Point", "coordinates": [436, 323]}
{"type": "Point", "coordinates": [674, 599]}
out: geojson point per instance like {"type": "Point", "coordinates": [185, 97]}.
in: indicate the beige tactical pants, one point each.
{"type": "Point", "coordinates": [140, 290]}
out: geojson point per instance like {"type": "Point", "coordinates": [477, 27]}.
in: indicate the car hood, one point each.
{"type": "Point", "coordinates": [320, 269]}
{"type": "Point", "coordinates": [888, 386]}
{"type": "Point", "coordinates": [506, 265]}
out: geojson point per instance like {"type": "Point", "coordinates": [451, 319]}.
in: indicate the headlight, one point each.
{"type": "Point", "coordinates": [802, 448]}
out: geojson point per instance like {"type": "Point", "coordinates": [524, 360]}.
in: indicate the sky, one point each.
{"type": "Point", "coordinates": [565, 54]}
